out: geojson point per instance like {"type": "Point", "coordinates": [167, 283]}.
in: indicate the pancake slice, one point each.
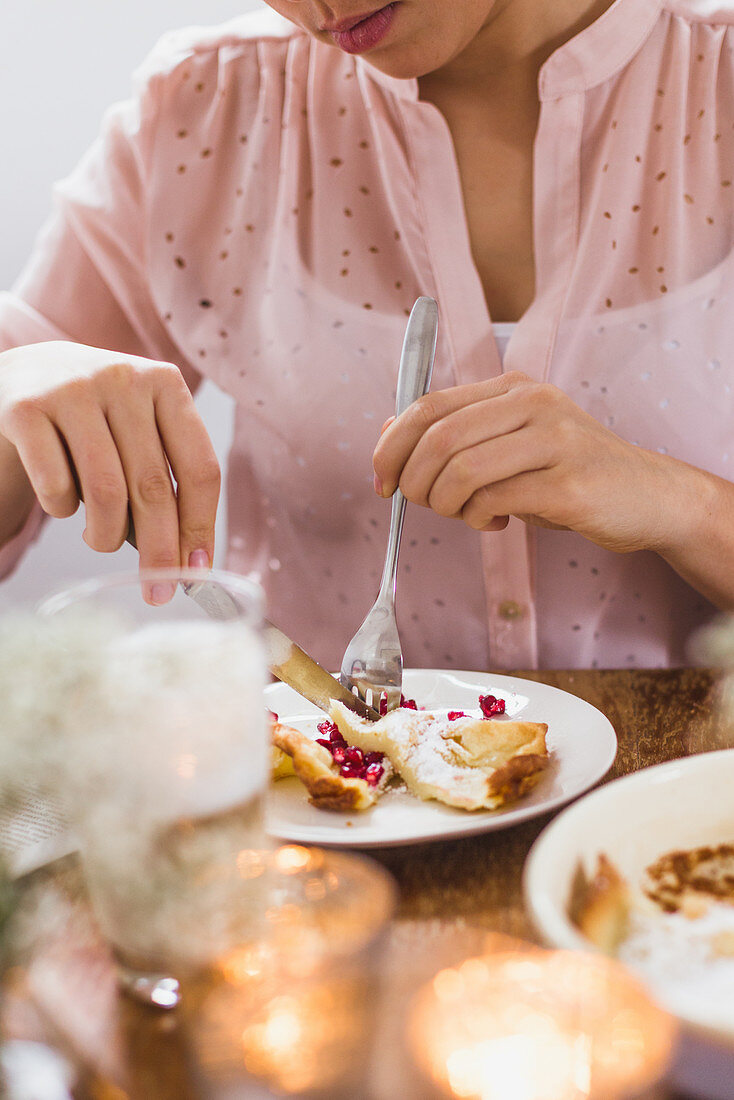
{"type": "Point", "coordinates": [469, 763]}
{"type": "Point", "coordinates": [296, 754]}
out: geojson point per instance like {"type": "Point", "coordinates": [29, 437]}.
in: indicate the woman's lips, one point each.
{"type": "Point", "coordinates": [367, 33]}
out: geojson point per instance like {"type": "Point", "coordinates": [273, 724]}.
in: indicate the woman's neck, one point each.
{"type": "Point", "coordinates": [514, 42]}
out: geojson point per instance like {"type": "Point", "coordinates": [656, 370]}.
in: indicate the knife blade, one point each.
{"type": "Point", "coordinates": [291, 664]}
{"type": "Point", "coordinates": [286, 660]}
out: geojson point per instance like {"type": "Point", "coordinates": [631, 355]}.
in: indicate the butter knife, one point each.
{"type": "Point", "coordinates": [286, 660]}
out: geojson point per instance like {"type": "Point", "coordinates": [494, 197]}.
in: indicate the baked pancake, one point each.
{"type": "Point", "coordinates": [675, 929]}
{"type": "Point", "coordinates": [281, 765]}
{"type": "Point", "coordinates": [296, 754]}
{"type": "Point", "coordinates": [600, 907]}
{"type": "Point", "coordinates": [470, 763]}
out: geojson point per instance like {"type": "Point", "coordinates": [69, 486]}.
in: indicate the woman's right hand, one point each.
{"type": "Point", "coordinates": [111, 429]}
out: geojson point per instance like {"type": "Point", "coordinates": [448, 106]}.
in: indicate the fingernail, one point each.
{"type": "Point", "coordinates": [198, 559]}
{"type": "Point", "coordinates": [162, 593]}
{"type": "Point", "coordinates": [378, 485]}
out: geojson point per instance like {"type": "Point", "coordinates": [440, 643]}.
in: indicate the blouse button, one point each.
{"type": "Point", "coordinates": [510, 610]}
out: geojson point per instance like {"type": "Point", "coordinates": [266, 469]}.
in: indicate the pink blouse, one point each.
{"type": "Point", "coordinates": [266, 209]}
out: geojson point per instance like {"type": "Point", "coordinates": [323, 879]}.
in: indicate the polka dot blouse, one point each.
{"type": "Point", "coordinates": [264, 211]}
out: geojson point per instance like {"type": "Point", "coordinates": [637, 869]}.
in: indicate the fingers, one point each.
{"type": "Point", "coordinates": [512, 446]}
{"type": "Point", "coordinates": [423, 423]}
{"type": "Point", "coordinates": [483, 452]}
{"type": "Point", "coordinates": [157, 435]}
{"type": "Point", "coordinates": [459, 448]}
{"type": "Point", "coordinates": [115, 430]}
{"type": "Point", "coordinates": [484, 465]}
{"type": "Point", "coordinates": [498, 523]}
{"type": "Point", "coordinates": [149, 487]}
{"type": "Point", "coordinates": [46, 463]}
{"type": "Point", "coordinates": [95, 461]}
{"type": "Point", "coordinates": [524, 495]}
{"type": "Point", "coordinates": [196, 470]}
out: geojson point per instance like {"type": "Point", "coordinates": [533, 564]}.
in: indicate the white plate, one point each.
{"type": "Point", "coordinates": [580, 738]}
{"type": "Point", "coordinates": [634, 820]}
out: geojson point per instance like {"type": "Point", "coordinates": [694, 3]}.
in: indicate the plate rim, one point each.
{"type": "Point", "coordinates": [473, 826]}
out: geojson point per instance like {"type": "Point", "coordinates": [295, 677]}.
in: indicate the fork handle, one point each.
{"type": "Point", "coordinates": [390, 568]}
{"type": "Point", "coordinates": [416, 358]}
{"type": "Point", "coordinates": [414, 378]}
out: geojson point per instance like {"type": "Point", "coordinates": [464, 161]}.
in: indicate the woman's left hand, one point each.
{"type": "Point", "coordinates": [513, 446]}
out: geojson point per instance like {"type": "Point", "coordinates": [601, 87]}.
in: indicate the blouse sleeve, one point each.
{"type": "Point", "coordinates": [87, 279]}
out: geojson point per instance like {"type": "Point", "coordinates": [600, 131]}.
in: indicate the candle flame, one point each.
{"type": "Point", "coordinates": [539, 1025]}
{"type": "Point", "coordinates": [292, 858]}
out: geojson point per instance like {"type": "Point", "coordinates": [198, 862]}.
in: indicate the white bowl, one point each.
{"type": "Point", "coordinates": [634, 820]}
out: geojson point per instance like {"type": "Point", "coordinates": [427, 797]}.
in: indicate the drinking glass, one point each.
{"type": "Point", "coordinates": [168, 764]}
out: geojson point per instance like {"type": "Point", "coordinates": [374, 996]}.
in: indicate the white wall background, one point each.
{"type": "Point", "coordinates": [62, 62]}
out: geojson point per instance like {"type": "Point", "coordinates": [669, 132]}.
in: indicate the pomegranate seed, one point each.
{"type": "Point", "coordinates": [383, 703]}
{"type": "Point", "coordinates": [454, 714]}
{"type": "Point", "coordinates": [325, 742]}
{"type": "Point", "coordinates": [273, 715]}
{"type": "Point", "coordinates": [355, 756]}
{"type": "Point", "coordinates": [339, 754]}
{"type": "Point", "coordinates": [328, 728]}
{"type": "Point", "coordinates": [373, 774]}
{"type": "Point", "coordinates": [336, 737]}
{"type": "Point", "coordinates": [373, 758]}
{"type": "Point", "coordinates": [490, 705]}
{"type": "Point", "coordinates": [351, 771]}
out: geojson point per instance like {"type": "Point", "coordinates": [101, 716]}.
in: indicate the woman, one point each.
{"type": "Point", "coordinates": [265, 211]}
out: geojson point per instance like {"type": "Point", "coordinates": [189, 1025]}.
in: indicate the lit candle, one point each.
{"type": "Point", "coordinates": [539, 1025]}
{"type": "Point", "coordinates": [308, 1037]}
{"type": "Point", "coordinates": [293, 1008]}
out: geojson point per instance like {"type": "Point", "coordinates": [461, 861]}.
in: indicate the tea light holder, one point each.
{"type": "Point", "coordinates": [293, 1008]}
{"type": "Point", "coordinates": [539, 1025]}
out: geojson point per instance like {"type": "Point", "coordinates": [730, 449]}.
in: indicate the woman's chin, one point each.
{"type": "Point", "coordinates": [409, 63]}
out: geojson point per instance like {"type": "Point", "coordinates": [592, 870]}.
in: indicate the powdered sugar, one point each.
{"type": "Point", "coordinates": [685, 960]}
{"type": "Point", "coordinates": [422, 748]}
{"type": "Point", "coordinates": [423, 738]}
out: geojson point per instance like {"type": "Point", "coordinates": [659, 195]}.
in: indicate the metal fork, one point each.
{"type": "Point", "coordinates": [372, 667]}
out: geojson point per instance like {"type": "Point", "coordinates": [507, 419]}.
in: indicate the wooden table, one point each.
{"type": "Point", "coordinates": [657, 716]}
{"type": "Point", "coordinates": [451, 895]}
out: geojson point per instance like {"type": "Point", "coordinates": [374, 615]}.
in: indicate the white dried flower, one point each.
{"type": "Point", "coordinates": [155, 738]}
{"type": "Point", "coordinates": [46, 667]}
{"type": "Point", "coordinates": [91, 707]}
{"type": "Point", "coordinates": [714, 645]}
